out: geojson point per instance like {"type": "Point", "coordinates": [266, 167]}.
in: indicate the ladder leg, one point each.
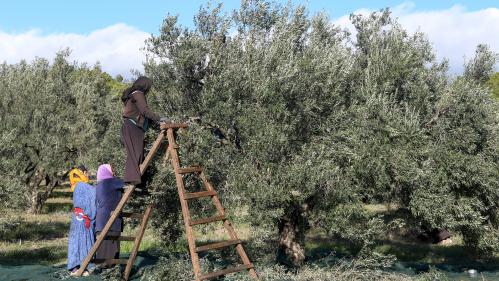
{"type": "Point", "coordinates": [104, 231]}
{"type": "Point", "coordinates": [120, 207]}
{"type": "Point", "coordinates": [172, 151]}
{"type": "Point", "coordinates": [152, 152]}
{"type": "Point", "coordinates": [239, 248]}
{"type": "Point", "coordinates": [183, 203]}
{"type": "Point", "coordinates": [227, 225]}
{"type": "Point", "coordinates": [136, 244]}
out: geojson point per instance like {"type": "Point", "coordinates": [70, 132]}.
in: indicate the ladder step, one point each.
{"type": "Point", "coordinates": [200, 194]}
{"type": "Point", "coordinates": [120, 238]}
{"type": "Point", "coordinates": [188, 170]}
{"type": "Point", "coordinates": [217, 245]}
{"type": "Point", "coordinates": [110, 261]}
{"type": "Point", "coordinates": [226, 271]}
{"type": "Point", "coordinates": [207, 220]}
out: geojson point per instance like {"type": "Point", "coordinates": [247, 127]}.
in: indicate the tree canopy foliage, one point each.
{"type": "Point", "coordinates": [493, 84]}
{"type": "Point", "coordinates": [52, 117]}
{"type": "Point", "coordinates": [308, 122]}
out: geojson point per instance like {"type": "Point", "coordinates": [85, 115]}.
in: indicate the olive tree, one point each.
{"type": "Point", "coordinates": [53, 117]}
{"type": "Point", "coordinates": [279, 83]}
{"type": "Point", "coordinates": [305, 122]}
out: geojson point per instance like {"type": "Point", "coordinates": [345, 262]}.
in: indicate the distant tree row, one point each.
{"type": "Point", "coordinates": [53, 116]}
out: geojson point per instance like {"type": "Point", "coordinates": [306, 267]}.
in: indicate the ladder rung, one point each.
{"type": "Point", "coordinates": [217, 245]}
{"type": "Point", "coordinates": [195, 195]}
{"type": "Point", "coordinates": [207, 220]}
{"type": "Point", "coordinates": [110, 261]}
{"type": "Point", "coordinates": [226, 271]}
{"type": "Point", "coordinates": [190, 170]}
{"type": "Point", "coordinates": [120, 238]}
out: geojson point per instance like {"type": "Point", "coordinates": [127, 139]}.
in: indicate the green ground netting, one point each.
{"type": "Point", "coordinates": [452, 272]}
{"type": "Point", "coordinates": [48, 273]}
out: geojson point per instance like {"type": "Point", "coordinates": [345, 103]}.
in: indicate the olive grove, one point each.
{"type": "Point", "coordinates": [299, 123]}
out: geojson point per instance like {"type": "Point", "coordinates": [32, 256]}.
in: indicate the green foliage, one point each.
{"type": "Point", "coordinates": [7, 224]}
{"type": "Point", "coordinates": [52, 117]}
{"type": "Point", "coordinates": [271, 98]}
{"type": "Point", "coordinates": [460, 192]}
{"type": "Point", "coordinates": [493, 84]}
{"type": "Point", "coordinates": [482, 65]}
{"type": "Point", "coordinates": [346, 220]}
{"type": "Point", "coordinates": [297, 119]}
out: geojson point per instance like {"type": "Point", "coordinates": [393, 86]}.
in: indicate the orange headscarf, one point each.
{"type": "Point", "coordinates": [76, 176]}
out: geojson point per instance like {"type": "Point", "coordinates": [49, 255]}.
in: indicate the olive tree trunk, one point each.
{"type": "Point", "coordinates": [292, 230]}
{"type": "Point", "coordinates": [40, 194]}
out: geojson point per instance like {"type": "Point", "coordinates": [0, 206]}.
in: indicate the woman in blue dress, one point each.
{"type": "Point", "coordinates": [81, 232]}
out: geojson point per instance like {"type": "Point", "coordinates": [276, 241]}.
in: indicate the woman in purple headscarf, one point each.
{"type": "Point", "coordinates": [108, 195]}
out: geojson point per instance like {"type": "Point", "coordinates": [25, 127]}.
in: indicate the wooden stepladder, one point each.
{"type": "Point", "coordinates": [167, 129]}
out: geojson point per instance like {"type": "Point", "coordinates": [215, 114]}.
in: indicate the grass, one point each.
{"type": "Point", "coordinates": [34, 227]}
{"type": "Point", "coordinates": [42, 239]}
{"type": "Point", "coordinates": [47, 252]}
{"type": "Point", "coordinates": [30, 239]}
{"type": "Point", "coordinates": [58, 204]}
{"type": "Point", "coordinates": [149, 242]}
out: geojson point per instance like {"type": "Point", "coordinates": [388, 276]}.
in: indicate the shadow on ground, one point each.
{"type": "Point", "coordinates": [411, 257]}
{"type": "Point", "coordinates": [59, 193]}
{"type": "Point", "coordinates": [25, 230]}
{"type": "Point", "coordinates": [45, 255]}
{"type": "Point", "coordinates": [53, 207]}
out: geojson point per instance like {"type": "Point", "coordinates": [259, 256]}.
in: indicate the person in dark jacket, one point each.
{"type": "Point", "coordinates": [136, 119]}
{"type": "Point", "coordinates": [108, 195]}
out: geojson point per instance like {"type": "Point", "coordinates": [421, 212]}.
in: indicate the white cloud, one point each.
{"type": "Point", "coordinates": [454, 32]}
{"type": "Point", "coordinates": [117, 47]}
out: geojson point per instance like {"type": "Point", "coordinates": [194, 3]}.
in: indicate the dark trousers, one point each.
{"type": "Point", "coordinates": [109, 249]}
{"type": "Point", "coordinates": [133, 139]}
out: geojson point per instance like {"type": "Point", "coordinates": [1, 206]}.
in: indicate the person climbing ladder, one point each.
{"type": "Point", "coordinates": [136, 120]}
{"type": "Point", "coordinates": [207, 191]}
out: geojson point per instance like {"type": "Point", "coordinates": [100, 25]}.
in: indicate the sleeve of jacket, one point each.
{"type": "Point", "coordinates": [120, 184]}
{"type": "Point", "coordinates": [140, 102]}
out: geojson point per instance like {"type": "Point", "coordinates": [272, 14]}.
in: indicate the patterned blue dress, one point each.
{"type": "Point", "coordinates": [81, 239]}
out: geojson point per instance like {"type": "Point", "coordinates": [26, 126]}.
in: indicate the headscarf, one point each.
{"type": "Point", "coordinates": [76, 176]}
{"type": "Point", "coordinates": [104, 172]}
{"type": "Point", "coordinates": [142, 84]}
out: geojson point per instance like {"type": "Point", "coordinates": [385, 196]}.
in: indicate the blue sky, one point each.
{"type": "Point", "coordinates": [67, 16]}
{"type": "Point", "coordinates": [113, 32]}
